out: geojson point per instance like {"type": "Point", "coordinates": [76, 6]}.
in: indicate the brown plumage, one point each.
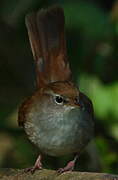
{"type": "Point", "coordinates": [57, 118]}
{"type": "Point", "coordinates": [47, 38]}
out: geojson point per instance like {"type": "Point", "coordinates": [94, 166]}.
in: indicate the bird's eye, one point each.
{"type": "Point", "coordinates": [59, 99]}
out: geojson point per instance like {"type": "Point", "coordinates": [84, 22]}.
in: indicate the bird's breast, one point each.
{"type": "Point", "coordinates": [60, 133]}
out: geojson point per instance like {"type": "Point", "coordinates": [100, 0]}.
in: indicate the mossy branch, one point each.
{"type": "Point", "coordinates": [12, 174]}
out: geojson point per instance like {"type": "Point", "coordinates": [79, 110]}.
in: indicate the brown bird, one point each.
{"type": "Point", "coordinates": [57, 118]}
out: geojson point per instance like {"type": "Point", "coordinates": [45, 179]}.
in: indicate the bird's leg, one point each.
{"type": "Point", "coordinates": [37, 166]}
{"type": "Point", "coordinates": [69, 167]}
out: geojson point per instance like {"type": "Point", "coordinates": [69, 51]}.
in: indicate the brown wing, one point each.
{"type": "Point", "coordinates": [47, 38]}
{"type": "Point", "coordinates": [87, 103]}
{"type": "Point", "coordinates": [23, 112]}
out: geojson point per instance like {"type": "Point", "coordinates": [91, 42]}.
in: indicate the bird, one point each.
{"type": "Point", "coordinates": [58, 118]}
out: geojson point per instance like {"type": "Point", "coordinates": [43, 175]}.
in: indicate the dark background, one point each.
{"type": "Point", "coordinates": [92, 41]}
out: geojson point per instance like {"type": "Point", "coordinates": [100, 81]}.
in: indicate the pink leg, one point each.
{"type": "Point", "coordinates": [37, 166]}
{"type": "Point", "coordinates": [69, 167]}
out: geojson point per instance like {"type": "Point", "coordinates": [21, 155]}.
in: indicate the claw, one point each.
{"type": "Point", "coordinates": [32, 169]}
{"type": "Point", "coordinates": [37, 166]}
{"type": "Point", "coordinates": [69, 167]}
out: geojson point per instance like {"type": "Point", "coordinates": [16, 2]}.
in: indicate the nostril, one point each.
{"type": "Point", "coordinates": [79, 102]}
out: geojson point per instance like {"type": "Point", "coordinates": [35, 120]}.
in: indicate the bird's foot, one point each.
{"type": "Point", "coordinates": [69, 167]}
{"type": "Point", "coordinates": [37, 166]}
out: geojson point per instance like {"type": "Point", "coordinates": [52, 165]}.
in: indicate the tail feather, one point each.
{"type": "Point", "coordinates": [48, 44]}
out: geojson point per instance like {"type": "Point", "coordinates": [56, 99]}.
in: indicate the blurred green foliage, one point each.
{"type": "Point", "coordinates": [92, 41]}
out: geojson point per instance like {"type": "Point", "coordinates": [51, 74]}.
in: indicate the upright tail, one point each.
{"type": "Point", "coordinates": [47, 38]}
